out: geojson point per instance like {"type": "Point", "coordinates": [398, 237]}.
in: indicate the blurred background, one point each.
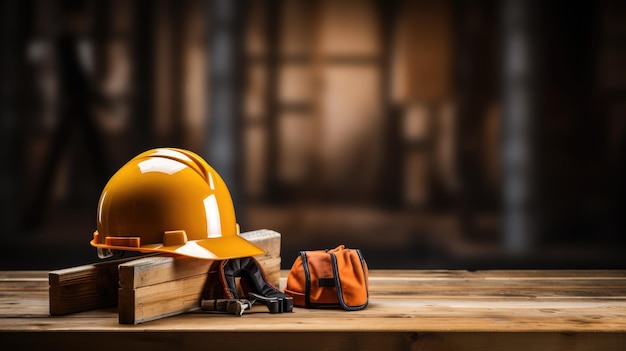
{"type": "Point", "coordinates": [430, 134]}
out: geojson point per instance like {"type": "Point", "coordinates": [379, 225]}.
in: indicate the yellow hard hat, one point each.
{"type": "Point", "coordinates": [169, 200]}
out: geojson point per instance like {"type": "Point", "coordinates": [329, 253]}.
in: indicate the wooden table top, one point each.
{"type": "Point", "coordinates": [511, 310]}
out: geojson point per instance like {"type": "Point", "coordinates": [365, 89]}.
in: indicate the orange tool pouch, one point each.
{"type": "Point", "coordinates": [326, 278]}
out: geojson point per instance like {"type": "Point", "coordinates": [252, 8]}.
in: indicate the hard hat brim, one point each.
{"type": "Point", "coordinates": [220, 248]}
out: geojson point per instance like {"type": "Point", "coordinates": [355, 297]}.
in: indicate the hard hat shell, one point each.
{"type": "Point", "coordinates": [170, 200]}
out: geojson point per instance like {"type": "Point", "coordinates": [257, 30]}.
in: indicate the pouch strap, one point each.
{"type": "Point", "coordinates": [307, 279]}
{"type": "Point", "coordinates": [335, 267]}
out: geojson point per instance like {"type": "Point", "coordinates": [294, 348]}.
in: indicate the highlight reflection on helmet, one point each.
{"type": "Point", "coordinates": [169, 200]}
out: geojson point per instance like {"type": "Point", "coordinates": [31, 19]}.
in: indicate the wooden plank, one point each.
{"type": "Point", "coordinates": [160, 269]}
{"type": "Point", "coordinates": [147, 302]}
{"type": "Point", "coordinates": [161, 300]}
{"type": "Point", "coordinates": [21, 276]}
{"type": "Point", "coordinates": [503, 274]}
{"type": "Point", "coordinates": [393, 321]}
{"type": "Point", "coordinates": [94, 286]}
{"type": "Point", "coordinates": [162, 286]}
{"type": "Point", "coordinates": [266, 239]}
{"type": "Point", "coordinates": [23, 293]}
{"type": "Point", "coordinates": [401, 303]}
{"type": "Point", "coordinates": [83, 288]}
{"type": "Point", "coordinates": [554, 284]}
{"type": "Point", "coordinates": [165, 268]}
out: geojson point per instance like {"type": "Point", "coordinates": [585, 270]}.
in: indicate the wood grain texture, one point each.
{"type": "Point", "coordinates": [93, 286]}
{"type": "Point", "coordinates": [165, 285]}
{"type": "Point", "coordinates": [409, 310]}
{"type": "Point", "coordinates": [162, 269]}
{"type": "Point", "coordinates": [266, 239]}
{"type": "Point", "coordinates": [83, 288]}
{"type": "Point", "coordinates": [161, 300]}
{"type": "Point", "coordinates": [158, 287]}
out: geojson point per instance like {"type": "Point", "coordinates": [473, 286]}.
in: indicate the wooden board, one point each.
{"type": "Point", "coordinates": [162, 286]}
{"type": "Point", "coordinates": [571, 310]}
{"type": "Point", "coordinates": [84, 288]}
{"type": "Point", "coordinates": [94, 286]}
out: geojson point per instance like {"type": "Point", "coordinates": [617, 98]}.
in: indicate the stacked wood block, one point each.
{"type": "Point", "coordinates": [150, 287]}
{"type": "Point", "coordinates": [84, 288]}
{"type": "Point", "coordinates": [157, 287]}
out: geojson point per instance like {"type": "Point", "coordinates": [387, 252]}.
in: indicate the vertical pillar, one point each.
{"type": "Point", "coordinates": [474, 78]}
{"type": "Point", "coordinates": [177, 72]}
{"type": "Point", "coordinates": [519, 111]}
{"type": "Point", "coordinates": [391, 176]}
{"type": "Point", "coordinates": [142, 127]}
{"type": "Point", "coordinates": [12, 91]}
{"type": "Point", "coordinates": [272, 114]}
{"type": "Point", "coordinates": [223, 148]}
{"type": "Point", "coordinates": [169, 112]}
